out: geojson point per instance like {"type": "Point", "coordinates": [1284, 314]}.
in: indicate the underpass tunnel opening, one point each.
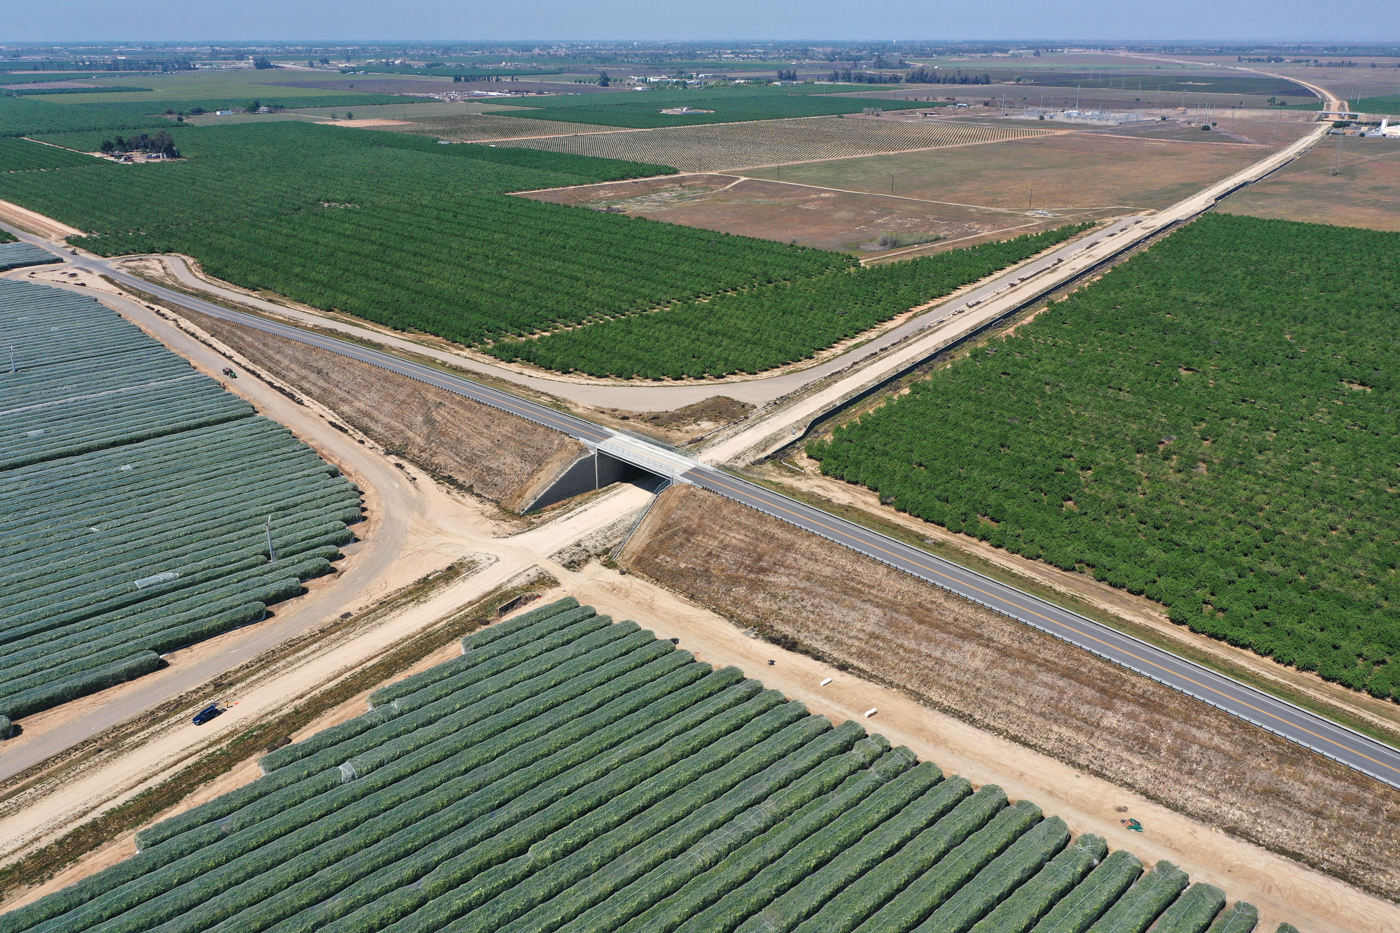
{"type": "Point", "coordinates": [592, 470]}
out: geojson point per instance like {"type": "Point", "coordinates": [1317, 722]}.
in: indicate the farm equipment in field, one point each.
{"type": "Point", "coordinates": [230, 373]}
{"type": "Point", "coordinates": [1134, 825]}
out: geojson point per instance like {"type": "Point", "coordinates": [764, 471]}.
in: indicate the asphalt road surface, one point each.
{"type": "Point", "coordinates": [1308, 729]}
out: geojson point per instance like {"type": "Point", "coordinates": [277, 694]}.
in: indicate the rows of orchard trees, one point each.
{"type": "Point", "coordinates": [760, 328]}
{"type": "Point", "coordinates": [1214, 425]}
{"type": "Point", "coordinates": [405, 232]}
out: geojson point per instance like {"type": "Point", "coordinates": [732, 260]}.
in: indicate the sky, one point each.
{"type": "Point", "coordinates": [718, 20]}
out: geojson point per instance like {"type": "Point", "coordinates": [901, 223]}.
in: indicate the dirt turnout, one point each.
{"type": "Point", "coordinates": [1011, 680]}
{"type": "Point", "coordinates": [489, 453]}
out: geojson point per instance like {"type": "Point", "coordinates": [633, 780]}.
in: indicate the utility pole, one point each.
{"type": "Point", "coordinates": [1337, 157]}
{"type": "Point", "coordinates": [271, 554]}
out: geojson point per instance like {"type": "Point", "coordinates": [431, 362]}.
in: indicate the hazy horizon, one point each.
{"type": "Point", "coordinates": [439, 21]}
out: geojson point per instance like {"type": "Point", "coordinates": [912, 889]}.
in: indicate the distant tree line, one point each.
{"type": "Point", "coordinates": [923, 75]}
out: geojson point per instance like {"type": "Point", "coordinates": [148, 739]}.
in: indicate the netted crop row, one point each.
{"type": "Point", "coordinates": [1242, 917]}
{"type": "Point", "coordinates": [566, 775]}
{"type": "Point", "coordinates": [283, 788]}
{"type": "Point", "coordinates": [140, 364]}
{"type": "Point", "coordinates": [1019, 912]}
{"type": "Point", "coordinates": [1004, 875]}
{"type": "Point", "coordinates": [808, 896]}
{"type": "Point", "coordinates": [1193, 911]}
{"type": "Point", "coordinates": [596, 875]}
{"type": "Point", "coordinates": [474, 650]}
{"type": "Point", "coordinates": [742, 145]}
{"type": "Point", "coordinates": [874, 889]}
{"type": "Point", "coordinates": [706, 888]}
{"type": "Point", "coordinates": [18, 255]}
{"type": "Point", "coordinates": [137, 503]}
{"type": "Point", "coordinates": [1144, 901]}
{"type": "Point", "coordinates": [246, 851]}
{"type": "Point", "coordinates": [793, 865]}
{"type": "Point", "coordinates": [1079, 908]}
{"type": "Point", "coordinates": [907, 909]}
{"type": "Point", "coordinates": [74, 426]}
{"type": "Point", "coordinates": [635, 896]}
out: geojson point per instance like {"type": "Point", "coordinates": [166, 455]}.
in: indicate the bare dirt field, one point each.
{"type": "Point", "coordinates": [1011, 680]}
{"type": "Point", "coordinates": [484, 451]}
{"type": "Point", "coordinates": [1074, 171]}
{"type": "Point", "coordinates": [722, 146]}
{"type": "Point", "coordinates": [1275, 129]}
{"type": "Point", "coordinates": [483, 127]}
{"type": "Point", "coordinates": [773, 210]}
{"type": "Point", "coordinates": [681, 426]}
{"type": "Point", "coordinates": [1364, 193]}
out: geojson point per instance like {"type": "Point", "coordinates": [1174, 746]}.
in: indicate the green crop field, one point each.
{"type": "Point", "coordinates": [400, 230]}
{"type": "Point", "coordinates": [134, 493]}
{"type": "Point", "coordinates": [25, 116]}
{"type": "Point", "coordinates": [765, 327]}
{"type": "Point", "coordinates": [571, 774]}
{"type": "Point", "coordinates": [1209, 425]}
{"type": "Point", "coordinates": [25, 155]}
{"type": "Point", "coordinates": [419, 236]}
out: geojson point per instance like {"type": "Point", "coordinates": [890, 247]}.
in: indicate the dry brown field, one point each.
{"type": "Point", "coordinates": [486, 127]}
{"type": "Point", "coordinates": [1365, 193]}
{"type": "Point", "coordinates": [1068, 172]}
{"type": "Point", "coordinates": [1011, 680]}
{"type": "Point", "coordinates": [722, 146]}
{"type": "Point", "coordinates": [472, 446]}
{"type": "Point", "coordinates": [771, 210]}
{"type": "Point", "coordinates": [1260, 127]}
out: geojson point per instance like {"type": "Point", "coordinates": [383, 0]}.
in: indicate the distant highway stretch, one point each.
{"type": "Point", "coordinates": [1308, 729]}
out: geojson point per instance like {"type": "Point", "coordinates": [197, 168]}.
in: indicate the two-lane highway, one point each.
{"type": "Point", "coordinates": [1322, 735]}
{"type": "Point", "coordinates": [1305, 728]}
